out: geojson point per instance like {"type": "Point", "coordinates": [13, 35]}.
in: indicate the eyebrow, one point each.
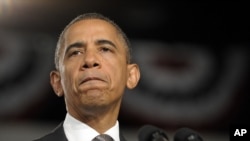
{"type": "Point", "coordinates": [104, 41]}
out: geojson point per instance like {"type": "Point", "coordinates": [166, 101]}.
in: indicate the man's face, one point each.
{"type": "Point", "coordinates": [93, 66]}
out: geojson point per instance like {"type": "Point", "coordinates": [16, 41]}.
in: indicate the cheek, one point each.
{"type": "Point", "coordinates": [118, 73]}
{"type": "Point", "coordinates": [68, 81]}
{"type": "Point", "coordinates": [70, 90]}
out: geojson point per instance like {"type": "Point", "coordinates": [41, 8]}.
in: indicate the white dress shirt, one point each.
{"type": "Point", "coordinates": [75, 130]}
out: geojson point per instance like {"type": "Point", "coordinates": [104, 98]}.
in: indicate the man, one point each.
{"type": "Point", "coordinates": [93, 69]}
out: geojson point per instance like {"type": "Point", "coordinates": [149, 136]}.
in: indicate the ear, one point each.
{"type": "Point", "coordinates": [55, 81]}
{"type": "Point", "coordinates": [133, 76]}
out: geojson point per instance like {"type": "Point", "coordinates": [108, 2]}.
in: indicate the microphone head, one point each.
{"type": "Point", "coordinates": [186, 134]}
{"type": "Point", "coordinates": [151, 133]}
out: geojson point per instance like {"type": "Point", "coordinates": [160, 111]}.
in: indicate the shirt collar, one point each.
{"type": "Point", "coordinates": [76, 130]}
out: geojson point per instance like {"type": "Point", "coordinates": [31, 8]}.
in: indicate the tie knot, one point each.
{"type": "Point", "coordinates": [103, 137]}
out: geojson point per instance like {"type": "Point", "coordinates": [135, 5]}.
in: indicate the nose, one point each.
{"type": "Point", "coordinates": [91, 60]}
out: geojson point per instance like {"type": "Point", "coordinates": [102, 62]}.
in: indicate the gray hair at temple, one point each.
{"type": "Point", "coordinates": [61, 40]}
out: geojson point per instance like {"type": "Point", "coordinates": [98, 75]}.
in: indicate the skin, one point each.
{"type": "Point", "coordinates": [93, 73]}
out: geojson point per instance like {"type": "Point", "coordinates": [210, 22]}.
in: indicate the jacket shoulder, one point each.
{"type": "Point", "coordinates": [56, 134]}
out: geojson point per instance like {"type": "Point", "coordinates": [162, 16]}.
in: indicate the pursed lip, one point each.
{"type": "Point", "coordinates": [90, 79]}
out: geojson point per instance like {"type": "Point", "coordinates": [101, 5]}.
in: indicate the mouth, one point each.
{"type": "Point", "coordinates": [87, 79]}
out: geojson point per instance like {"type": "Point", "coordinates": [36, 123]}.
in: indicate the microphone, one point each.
{"type": "Point", "coordinates": [151, 133]}
{"type": "Point", "coordinates": [186, 134]}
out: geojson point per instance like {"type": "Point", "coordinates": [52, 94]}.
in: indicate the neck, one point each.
{"type": "Point", "coordinates": [100, 120]}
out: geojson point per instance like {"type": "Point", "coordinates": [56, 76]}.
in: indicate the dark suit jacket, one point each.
{"type": "Point", "coordinates": [58, 135]}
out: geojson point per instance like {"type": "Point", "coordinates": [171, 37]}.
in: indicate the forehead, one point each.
{"type": "Point", "coordinates": [91, 27]}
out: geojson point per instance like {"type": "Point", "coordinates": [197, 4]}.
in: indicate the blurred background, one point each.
{"type": "Point", "coordinates": [194, 61]}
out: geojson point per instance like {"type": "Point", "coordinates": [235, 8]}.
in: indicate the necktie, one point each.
{"type": "Point", "coordinates": [103, 137]}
